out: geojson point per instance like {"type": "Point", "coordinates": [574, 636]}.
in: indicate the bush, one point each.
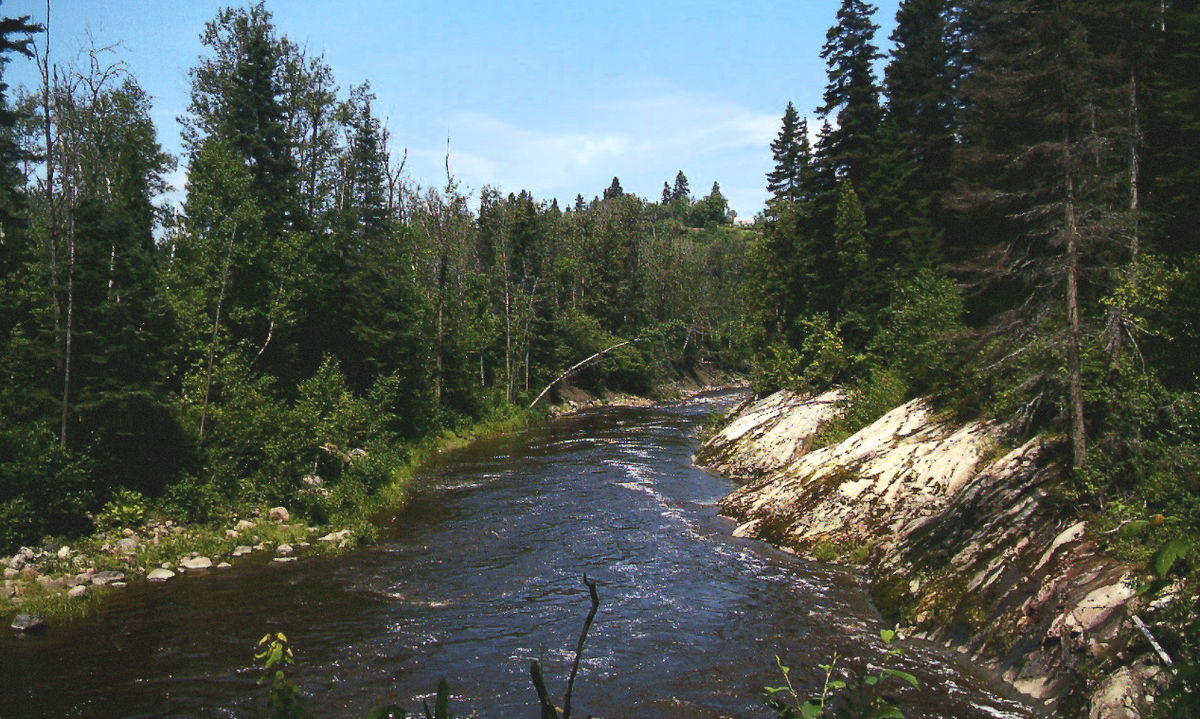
{"type": "Point", "coordinates": [46, 489]}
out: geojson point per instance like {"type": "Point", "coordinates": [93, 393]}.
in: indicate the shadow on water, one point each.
{"type": "Point", "coordinates": [478, 575]}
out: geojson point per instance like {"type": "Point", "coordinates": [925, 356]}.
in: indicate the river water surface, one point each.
{"type": "Point", "coordinates": [481, 573]}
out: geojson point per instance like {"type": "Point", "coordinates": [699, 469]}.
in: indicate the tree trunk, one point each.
{"type": "Point", "coordinates": [212, 345]}
{"type": "Point", "coordinates": [1078, 427]}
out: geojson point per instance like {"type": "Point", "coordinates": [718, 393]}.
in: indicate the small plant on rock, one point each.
{"type": "Point", "coordinates": [861, 697]}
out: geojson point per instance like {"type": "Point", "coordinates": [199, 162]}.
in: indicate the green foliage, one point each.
{"type": "Point", "coordinates": [817, 363]}
{"type": "Point", "coordinates": [127, 508]}
{"type": "Point", "coordinates": [857, 697]}
{"type": "Point", "coordinates": [274, 656]}
{"type": "Point", "coordinates": [43, 488]}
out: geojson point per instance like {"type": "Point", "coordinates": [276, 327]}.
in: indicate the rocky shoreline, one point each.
{"type": "Point", "coordinates": [43, 584]}
{"type": "Point", "coordinates": [962, 537]}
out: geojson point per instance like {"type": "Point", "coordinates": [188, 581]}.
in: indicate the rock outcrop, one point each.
{"type": "Point", "coordinates": [960, 535]}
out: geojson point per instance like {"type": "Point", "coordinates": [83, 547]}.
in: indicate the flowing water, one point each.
{"type": "Point", "coordinates": [479, 575]}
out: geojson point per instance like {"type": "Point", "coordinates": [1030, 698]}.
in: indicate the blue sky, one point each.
{"type": "Point", "coordinates": [553, 97]}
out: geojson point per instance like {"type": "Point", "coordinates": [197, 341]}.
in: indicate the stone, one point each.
{"type": "Point", "coordinates": [17, 562]}
{"type": "Point", "coordinates": [160, 575]}
{"type": "Point", "coordinates": [197, 563]}
{"type": "Point", "coordinates": [284, 549]}
{"type": "Point", "coordinates": [29, 623]}
{"type": "Point", "coordinates": [312, 480]}
{"type": "Point", "coordinates": [335, 536]}
{"type": "Point", "coordinates": [279, 514]}
{"type": "Point", "coordinates": [10, 573]}
{"type": "Point", "coordinates": [224, 565]}
{"type": "Point", "coordinates": [28, 553]}
{"type": "Point", "coordinates": [30, 572]}
{"type": "Point", "coordinates": [64, 552]}
{"type": "Point", "coordinates": [127, 532]}
{"type": "Point", "coordinates": [283, 559]}
{"type": "Point", "coordinates": [1125, 693]}
{"type": "Point", "coordinates": [232, 533]}
{"type": "Point", "coordinates": [102, 578]}
{"type": "Point", "coordinates": [128, 545]}
{"type": "Point", "coordinates": [243, 525]}
{"type": "Point", "coordinates": [79, 591]}
{"type": "Point", "coordinates": [242, 550]}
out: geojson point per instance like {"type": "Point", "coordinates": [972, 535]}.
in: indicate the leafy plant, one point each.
{"type": "Point", "coordinates": [861, 697]}
{"type": "Point", "coordinates": [127, 508]}
{"type": "Point", "coordinates": [274, 654]}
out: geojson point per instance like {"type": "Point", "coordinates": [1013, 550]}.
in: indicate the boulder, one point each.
{"type": "Point", "coordinates": [17, 563]}
{"type": "Point", "coordinates": [128, 545]}
{"type": "Point", "coordinates": [224, 565]}
{"type": "Point", "coordinates": [64, 552]}
{"type": "Point", "coordinates": [279, 514]}
{"type": "Point", "coordinates": [79, 591]}
{"type": "Point", "coordinates": [284, 549]}
{"type": "Point", "coordinates": [242, 550]}
{"type": "Point", "coordinates": [196, 563]}
{"type": "Point", "coordinates": [101, 578]}
{"type": "Point", "coordinates": [29, 623]}
{"type": "Point", "coordinates": [243, 524]}
{"type": "Point", "coordinates": [10, 573]}
{"type": "Point", "coordinates": [160, 575]}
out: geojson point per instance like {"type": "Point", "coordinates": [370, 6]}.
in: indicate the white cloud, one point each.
{"type": "Point", "coordinates": [643, 134]}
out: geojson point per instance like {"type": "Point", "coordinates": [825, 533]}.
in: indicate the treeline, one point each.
{"type": "Point", "coordinates": [1009, 219]}
{"type": "Point", "coordinates": [309, 311]}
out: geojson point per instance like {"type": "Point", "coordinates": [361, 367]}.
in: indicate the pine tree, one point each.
{"type": "Point", "coordinates": [614, 190]}
{"type": "Point", "coordinates": [680, 193]}
{"type": "Point", "coordinates": [852, 91]}
{"type": "Point", "coordinates": [920, 87]}
{"type": "Point", "coordinates": [15, 36]}
{"type": "Point", "coordinates": [1042, 117]}
{"type": "Point", "coordinates": [792, 157]}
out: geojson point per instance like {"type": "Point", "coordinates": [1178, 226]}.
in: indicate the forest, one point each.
{"type": "Point", "coordinates": [1000, 212]}
{"type": "Point", "coordinates": [309, 310]}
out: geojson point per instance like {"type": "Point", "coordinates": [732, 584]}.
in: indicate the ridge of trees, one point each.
{"type": "Point", "coordinates": [308, 300]}
{"type": "Point", "coordinates": [1011, 228]}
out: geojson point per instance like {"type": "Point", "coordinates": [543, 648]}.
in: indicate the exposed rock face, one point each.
{"type": "Point", "coordinates": [959, 537]}
{"type": "Point", "coordinates": [769, 434]}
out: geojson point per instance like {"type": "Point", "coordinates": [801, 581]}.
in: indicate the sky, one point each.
{"type": "Point", "coordinates": [553, 97]}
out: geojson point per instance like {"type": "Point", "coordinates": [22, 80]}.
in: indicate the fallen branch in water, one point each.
{"type": "Point", "coordinates": [577, 366]}
{"type": "Point", "coordinates": [549, 711]}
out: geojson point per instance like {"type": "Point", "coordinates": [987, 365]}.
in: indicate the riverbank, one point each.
{"type": "Point", "coordinates": [963, 537]}
{"type": "Point", "coordinates": [65, 580]}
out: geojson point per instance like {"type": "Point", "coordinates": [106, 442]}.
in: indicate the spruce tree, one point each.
{"type": "Point", "coordinates": [852, 92]}
{"type": "Point", "coordinates": [792, 157]}
{"type": "Point", "coordinates": [15, 37]}
{"type": "Point", "coordinates": [614, 190]}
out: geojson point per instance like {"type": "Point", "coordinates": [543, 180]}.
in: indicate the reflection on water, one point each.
{"type": "Point", "coordinates": [480, 574]}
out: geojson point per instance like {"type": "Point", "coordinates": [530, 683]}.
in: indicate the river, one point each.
{"type": "Point", "coordinates": [481, 573]}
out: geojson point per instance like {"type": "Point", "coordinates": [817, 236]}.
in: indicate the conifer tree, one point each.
{"type": "Point", "coordinates": [614, 190]}
{"type": "Point", "coordinates": [792, 156]}
{"type": "Point", "coordinates": [852, 92]}
{"type": "Point", "coordinates": [680, 193]}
